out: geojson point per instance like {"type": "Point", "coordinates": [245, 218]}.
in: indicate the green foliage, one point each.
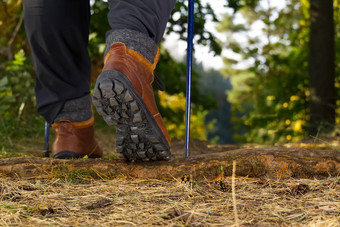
{"type": "Point", "coordinates": [16, 82]}
{"type": "Point", "coordinates": [337, 59]}
{"type": "Point", "coordinates": [16, 87]}
{"type": "Point", "coordinates": [98, 28]}
{"type": "Point", "coordinates": [19, 138]}
{"type": "Point", "coordinates": [19, 119]}
{"type": "Point", "coordinates": [236, 5]}
{"type": "Point", "coordinates": [175, 122]}
{"type": "Point", "coordinates": [178, 23]}
{"type": "Point", "coordinates": [271, 91]}
{"type": "Point", "coordinates": [172, 104]}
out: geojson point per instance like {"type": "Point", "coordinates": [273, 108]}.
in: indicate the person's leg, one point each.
{"type": "Point", "coordinates": [123, 94]}
{"type": "Point", "coordinates": [58, 32]}
{"type": "Point", "coordinates": [58, 35]}
{"type": "Point", "coordinates": [148, 17]}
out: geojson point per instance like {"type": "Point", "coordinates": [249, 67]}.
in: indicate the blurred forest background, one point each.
{"type": "Point", "coordinates": [287, 88]}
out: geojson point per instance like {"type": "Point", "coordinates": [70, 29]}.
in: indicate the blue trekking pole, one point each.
{"type": "Point", "coordinates": [46, 152]}
{"type": "Point", "coordinates": [189, 76]}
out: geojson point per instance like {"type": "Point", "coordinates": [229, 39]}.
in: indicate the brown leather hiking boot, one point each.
{"type": "Point", "coordinates": [75, 140]}
{"type": "Point", "coordinates": [123, 95]}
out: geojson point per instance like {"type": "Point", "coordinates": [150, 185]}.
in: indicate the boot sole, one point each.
{"type": "Point", "coordinates": [138, 136]}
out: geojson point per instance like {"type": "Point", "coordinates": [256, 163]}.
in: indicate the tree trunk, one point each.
{"type": "Point", "coordinates": [321, 67]}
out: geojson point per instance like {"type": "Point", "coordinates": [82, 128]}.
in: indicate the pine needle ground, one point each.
{"type": "Point", "coordinates": [83, 200]}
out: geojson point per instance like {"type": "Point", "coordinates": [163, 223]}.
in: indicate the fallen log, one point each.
{"type": "Point", "coordinates": [274, 162]}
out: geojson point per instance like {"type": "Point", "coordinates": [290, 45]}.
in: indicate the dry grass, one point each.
{"type": "Point", "coordinates": [83, 200]}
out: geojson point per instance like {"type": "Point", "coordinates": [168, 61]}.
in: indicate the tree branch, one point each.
{"type": "Point", "coordinates": [14, 35]}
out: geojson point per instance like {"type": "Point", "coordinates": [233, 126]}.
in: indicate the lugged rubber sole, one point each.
{"type": "Point", "coordinates": [138, 136]}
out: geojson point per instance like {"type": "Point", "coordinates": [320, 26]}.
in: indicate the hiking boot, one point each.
{"type": "Point", "coordinates": [75, 140]}
{"type": "Point", "coordinates": [124, 97]}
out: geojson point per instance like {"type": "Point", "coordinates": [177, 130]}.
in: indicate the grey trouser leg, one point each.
{"type": "Point", "coordinates": [146, 16]}
{"type": "Point", "coordinates": [57, 31]}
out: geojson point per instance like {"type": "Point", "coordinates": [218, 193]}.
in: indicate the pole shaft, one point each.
{"type": "Point", "coordinates": [189, 76]}
{"type": "Point", "coordinates": [46, 152]}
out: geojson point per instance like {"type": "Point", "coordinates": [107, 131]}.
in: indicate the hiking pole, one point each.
{"type": "Point", "coordinates": [46, 152]}
{"type": "Point", "coordinates": [189, 76]}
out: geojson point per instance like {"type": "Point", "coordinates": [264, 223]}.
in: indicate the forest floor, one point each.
{"type": "Point", "coordinates": [289, 185]}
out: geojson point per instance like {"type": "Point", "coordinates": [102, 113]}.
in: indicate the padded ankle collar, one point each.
{"type": "Point", "coordinates": [83, 124]}
{"type": "Point", "coordinates": [140, 58]}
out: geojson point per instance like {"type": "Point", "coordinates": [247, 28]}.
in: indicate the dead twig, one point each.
{"type": "Point", "coordinates": [316, 138]}
{"type": "Point", "coordinates": [237, 222]}
{"type": "Point", "coordinates": [14, 35]}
